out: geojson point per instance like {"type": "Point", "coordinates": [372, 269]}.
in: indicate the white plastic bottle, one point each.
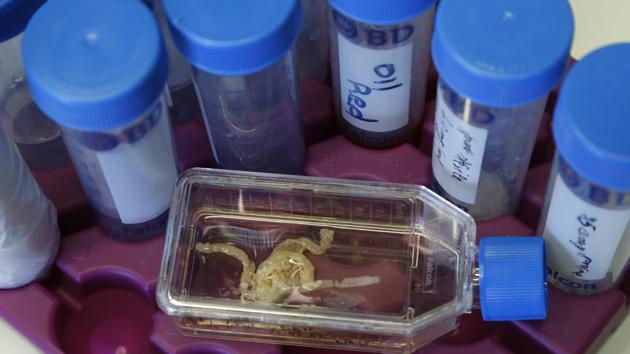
{"type": "Point", "coordinates": [29, 237]}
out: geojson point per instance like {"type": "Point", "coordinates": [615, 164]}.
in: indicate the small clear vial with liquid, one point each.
{"type": "Point", "coordinates": [586, 217]}
{"type": "Point", "coordinates": [497, 61]}
{"type": "Point", "coordinates": [380, 60]}
{"type": "Point", "coordinates": [245, 73]}
{"type": "Point", "coordinates": [37, 137]}
{"type": "Point", "coordinates": [113, 117]}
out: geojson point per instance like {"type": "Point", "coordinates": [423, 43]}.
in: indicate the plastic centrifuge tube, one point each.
{"type": "Point", "coordinates": [102, 78]}
{"type": "Point", "coordinates": [245, 73]}
{"type": "Point", "coordinates": [497, 60]}
{"type": "Point", "coordinates": [380, 60]}
{"type": "Point", "coordinates": [586, 217]}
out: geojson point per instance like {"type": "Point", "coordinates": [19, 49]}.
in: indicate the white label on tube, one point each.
{"type": "Point", "coordinates": [458, 149]}
{"type": "Point", "coordinates": [141, 176]}
{"type": "Point", "coordinates": [581, 238]}
{"type": "Point", "coordinates": [375, 85]}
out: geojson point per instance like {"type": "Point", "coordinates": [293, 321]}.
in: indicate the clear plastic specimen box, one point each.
{"type": "Point", "coordinates": [319, 262]}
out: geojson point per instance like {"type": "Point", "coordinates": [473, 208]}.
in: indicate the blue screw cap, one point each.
{"type": "Point", "coordinates": [233, 37]}
{"type": "Point", "coordinates": [512, 283]}
{"type": "Point", "coordinates": [14, 15]}
{"type": "Point", "coordinates": [592, 117]}
{"type": "Point", "coordinates": [94, 65]}
{"type": "Point", "coordinates": [502, 53]}
{"type": "Point", "coordinates": [382, 12]}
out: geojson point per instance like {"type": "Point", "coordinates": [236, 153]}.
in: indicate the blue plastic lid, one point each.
{"type": "Point", "coordinates": [592, 118]}
{"type": "Point", "coordinates": [233, 37]}
{"type": "Point", "coordinates": [502, 53]}
{"type": "Point", "coordinates": [14, 15]}
{"type": "Point", "coordinates": [381, 12]}
{"type": "Point", "coordinates": [94, 65]}
{"type": "Point", "coordinates": [512, 282]}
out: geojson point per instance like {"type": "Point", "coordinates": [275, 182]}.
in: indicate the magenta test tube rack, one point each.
{"type": "Point", "coordinates": [100, 296]}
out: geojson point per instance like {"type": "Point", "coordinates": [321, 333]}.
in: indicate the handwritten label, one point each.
{"type": "Point", "coordinates": [458, 149]}
{"type": "Point", "coordinates": [581, 238]}
{"type": "Point", "coordinates": [375, 85]}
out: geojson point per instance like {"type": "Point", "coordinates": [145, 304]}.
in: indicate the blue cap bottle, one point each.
{"type": "Point", "coordinates": [244, 68]}
{"type": "Point", "coordinates": [586, 221]}
{"type": "Point", "coordinates": [497, 60]}
{"type": "Point", "coordinates": [380, 59]}
{"type": "Point", "coordinates": [100, 74]}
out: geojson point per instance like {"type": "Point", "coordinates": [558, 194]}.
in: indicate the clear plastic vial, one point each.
{"type": "Point", "coordinates": [29, 237]}
{"type": "Point", "coordinates": [245, 73]}
{"type": "Point", "coordinates": [182, 99]}
{"type": "Point", "coordinates": [586, 217]}
{"type": "Point", "coordinates": [329, 263]}
{"type": "Point", "coordinates": [312, 44]}
{"type": "Point", "coordinates": [497, 60]}
{"type": "Point", "coordinates": [102, 78]}
{"type": "Point", "coordinates": [380, 59]}
{"type": "Point", "coordinates": [37, 137]}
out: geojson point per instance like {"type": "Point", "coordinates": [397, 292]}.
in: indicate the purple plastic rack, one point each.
{"type": "Point", "coordinates": [100, 295]}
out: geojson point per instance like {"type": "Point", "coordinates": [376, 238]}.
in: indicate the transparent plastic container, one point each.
{"type": "Point", "coordinates": [334, 264]}
{"type": "Point", "coordinates": [492, 95]}
{"type": "Point", "coordinates": [380, 60]}
{"type": "Point", "coordinates": [37, 137]}
{"type": "Point", "coordinates": [312, 44]}
{"type": "Point", "coordinates": [29, 237]}
{"type": "Point", "coordinates": [182, 99]}
{"type": "Point", "coordinates": [245, 73]}
{"type": "Point", "coordinates": [586, 217]}
{"type": "Point", "coordinates": [114, 118]}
